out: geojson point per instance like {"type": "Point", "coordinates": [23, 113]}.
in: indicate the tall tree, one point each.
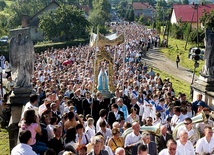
{"type": "Point", "coordinates": [185, 1]}
{"type": "Point", "coordinates": [121, 8]}
{"type": "Point", "coordinates": [100, 13]}
{"type": "Point", "coordinates": [23, 7]}
{"type": "Point", "coordinates": [2, 5]}
{"type": "Point", "coordinates": [66, 21]}
{"type": "Point", "coordinates": [208, 20]}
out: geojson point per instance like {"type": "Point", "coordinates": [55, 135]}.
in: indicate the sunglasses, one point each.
{"type": "Point", "coordinates": [149, 120]}
{"type": "Point", "coordinates": [172, 149]}
{"type": "Point", "coordinates": [187, 123]}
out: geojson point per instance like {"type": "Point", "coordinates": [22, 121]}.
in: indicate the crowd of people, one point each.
{"type": "Point", "coordinates": [65, 117]}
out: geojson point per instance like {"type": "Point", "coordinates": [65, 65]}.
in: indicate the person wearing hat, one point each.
{"type": "Point", "coordinates": [200, 108]}
{"type": "Point", "coordinates": [146, 140]}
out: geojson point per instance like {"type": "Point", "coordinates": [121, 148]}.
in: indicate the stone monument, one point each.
{"type": "Point", "coordinates": [21, 56]}
{"type": "Point", "coordinates": [205, 83]}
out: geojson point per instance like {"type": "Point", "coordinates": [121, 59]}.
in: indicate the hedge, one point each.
{"type": "Point", "coordinates": [41, 48]}
{"type": "Point", "coordinates": [59, 45]}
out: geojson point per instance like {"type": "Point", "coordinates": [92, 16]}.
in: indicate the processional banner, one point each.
{"type": "Point", "coordinates": [101, 40]}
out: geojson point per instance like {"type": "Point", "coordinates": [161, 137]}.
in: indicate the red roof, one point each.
{"type": "Point", "coordinates": [141, 5]}
{"type": "Point", "coordinates": [185, 12]}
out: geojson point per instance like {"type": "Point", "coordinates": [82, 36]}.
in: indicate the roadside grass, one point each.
{"type": "Point", "coordinates": [176, 47]}
{"type": "Point", "coordinates": [4, 142]}
{"type": "Point", "coordinates": [177, 84]}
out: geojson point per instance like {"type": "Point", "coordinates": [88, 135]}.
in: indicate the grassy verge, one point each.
{"type": "Point", "coordinates": [176, 47]}
{"type": "Point", "coordinates": [4, 142]}
{"type": "Point", "coordinates": [177, 84]}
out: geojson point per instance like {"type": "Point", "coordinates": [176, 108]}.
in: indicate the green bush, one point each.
{"type": "Point", "coordinates": [193, 36]}
{"type": "Point", "coordinates": [182, 31]}
{"type": "Point", "coordinates": [4, 49]}
{"type": "Point", "coordinates": [59, 45]}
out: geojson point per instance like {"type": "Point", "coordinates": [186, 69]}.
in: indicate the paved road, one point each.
{"type": "Point", "coordinates": [158, 60]}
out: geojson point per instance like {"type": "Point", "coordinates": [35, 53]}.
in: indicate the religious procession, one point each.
{"type": "Point", "coordinates": [102, 99]}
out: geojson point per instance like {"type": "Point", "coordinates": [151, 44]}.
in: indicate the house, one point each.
{"type": "Point", "coordinates": [143, 8]}
{"type": "Point", "coordinates": [33, 22]}
{"type": "Point", "coordinates": [188, 13]}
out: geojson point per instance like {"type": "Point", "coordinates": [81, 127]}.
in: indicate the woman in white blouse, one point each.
{"type": "Point", "coordinates": [133, 117]}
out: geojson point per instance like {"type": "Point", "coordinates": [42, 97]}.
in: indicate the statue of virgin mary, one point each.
{"type": "Point", "coordinates": [102, 80]}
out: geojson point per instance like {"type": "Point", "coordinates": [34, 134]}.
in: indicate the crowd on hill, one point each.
{"type": "Point", "coordinates": [65, 117]}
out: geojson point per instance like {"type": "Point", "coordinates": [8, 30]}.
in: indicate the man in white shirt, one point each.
{"type": "Point", "coordinates": [188, 128]}
{"type": "Point", "coordinates": [23, 148]}
{"type": "Point", "coordinates": [102, 117]}
{"type": "Point", "coordinates": [177, 117]}
{"type": "Point", "coordinates": [31, 104]}
{"type": "Point", "coordinates": [184, 145]}
{"type": "Point", "coordinates": [81, 137]}
{"type": "Point", "coordinates": [106, 132]}
{"type": "Point", "coordinates": [171, 148]}
{"type": "Point", "coordinates": [42, 107]}
{"type": "Point", "coordinates": [206, 144]}
{"type": "Point", "coordinates": [134, 137]}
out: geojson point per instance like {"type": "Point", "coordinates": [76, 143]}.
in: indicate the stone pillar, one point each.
{"type": "Point", "coordinates": [18, 98]}
{"type": "Point", "coordinates": [205, 83]}
{"type": "Point", "coordinates": [21, 54]}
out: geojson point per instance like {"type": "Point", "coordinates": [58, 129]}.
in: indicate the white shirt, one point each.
{"type": "Point", "coordinates": [42, 109]}
{"type": "Point", "coordinates": [186, 149]}
{"type": "Point", "coordinates": [131, 139]}
{"type": "Point", "coordinates": [203, 146]}
{"type": "Point", "coordinates": [22, 149]}
{"type": "Point", "coordinates": [181, 128]}
{"type": "Point", "coordinates": [108, 149]}
{"type": "Point", "coordinates": [106, 134]}
{"type": "Point", "coordinates": [165, 152]}
{"type": "Point", "coordinates": [177, 119]}
{"type": "Point", "coordinates": [147, 109]}
{"type": "Point", "coordinates": [29, 106]}
{"type": "Point", "coordinates": [50, 131]}
{"type": "Point", "coordinates": [85, 139]}
{"type": "Point", "coordinates": [90, 132]}
{"type": "Point", "coordinates": [98, 124]}
{"type": "Point", "coordinates": [72, 144]}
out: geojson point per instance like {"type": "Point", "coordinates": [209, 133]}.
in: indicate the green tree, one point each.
{"type": "Point", "coordinates": [100, 13]}
{"type": "Point", "coordinates": [205, 2]}
{"type": "Point", "coordinates": [66, 21]}
{"type": "Point", "coordinates": [185, 1]}
{"type": "Point", "coordinates": [2, 5]}
{"type": "Point", "coordinates": [158, 26]}
{"type": "Point", "coordinates": [131, 15]}
{"type": "Point", "coordinates": [97, 17]}
{"type": "Point", "coordinates": [121, 8]}
{"type": "Point", "coordinates": [170, 3]}
{"type": "Point", "coordinates": [23, 7]}
{"type": "Point", "coordinates": [208, 20]}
